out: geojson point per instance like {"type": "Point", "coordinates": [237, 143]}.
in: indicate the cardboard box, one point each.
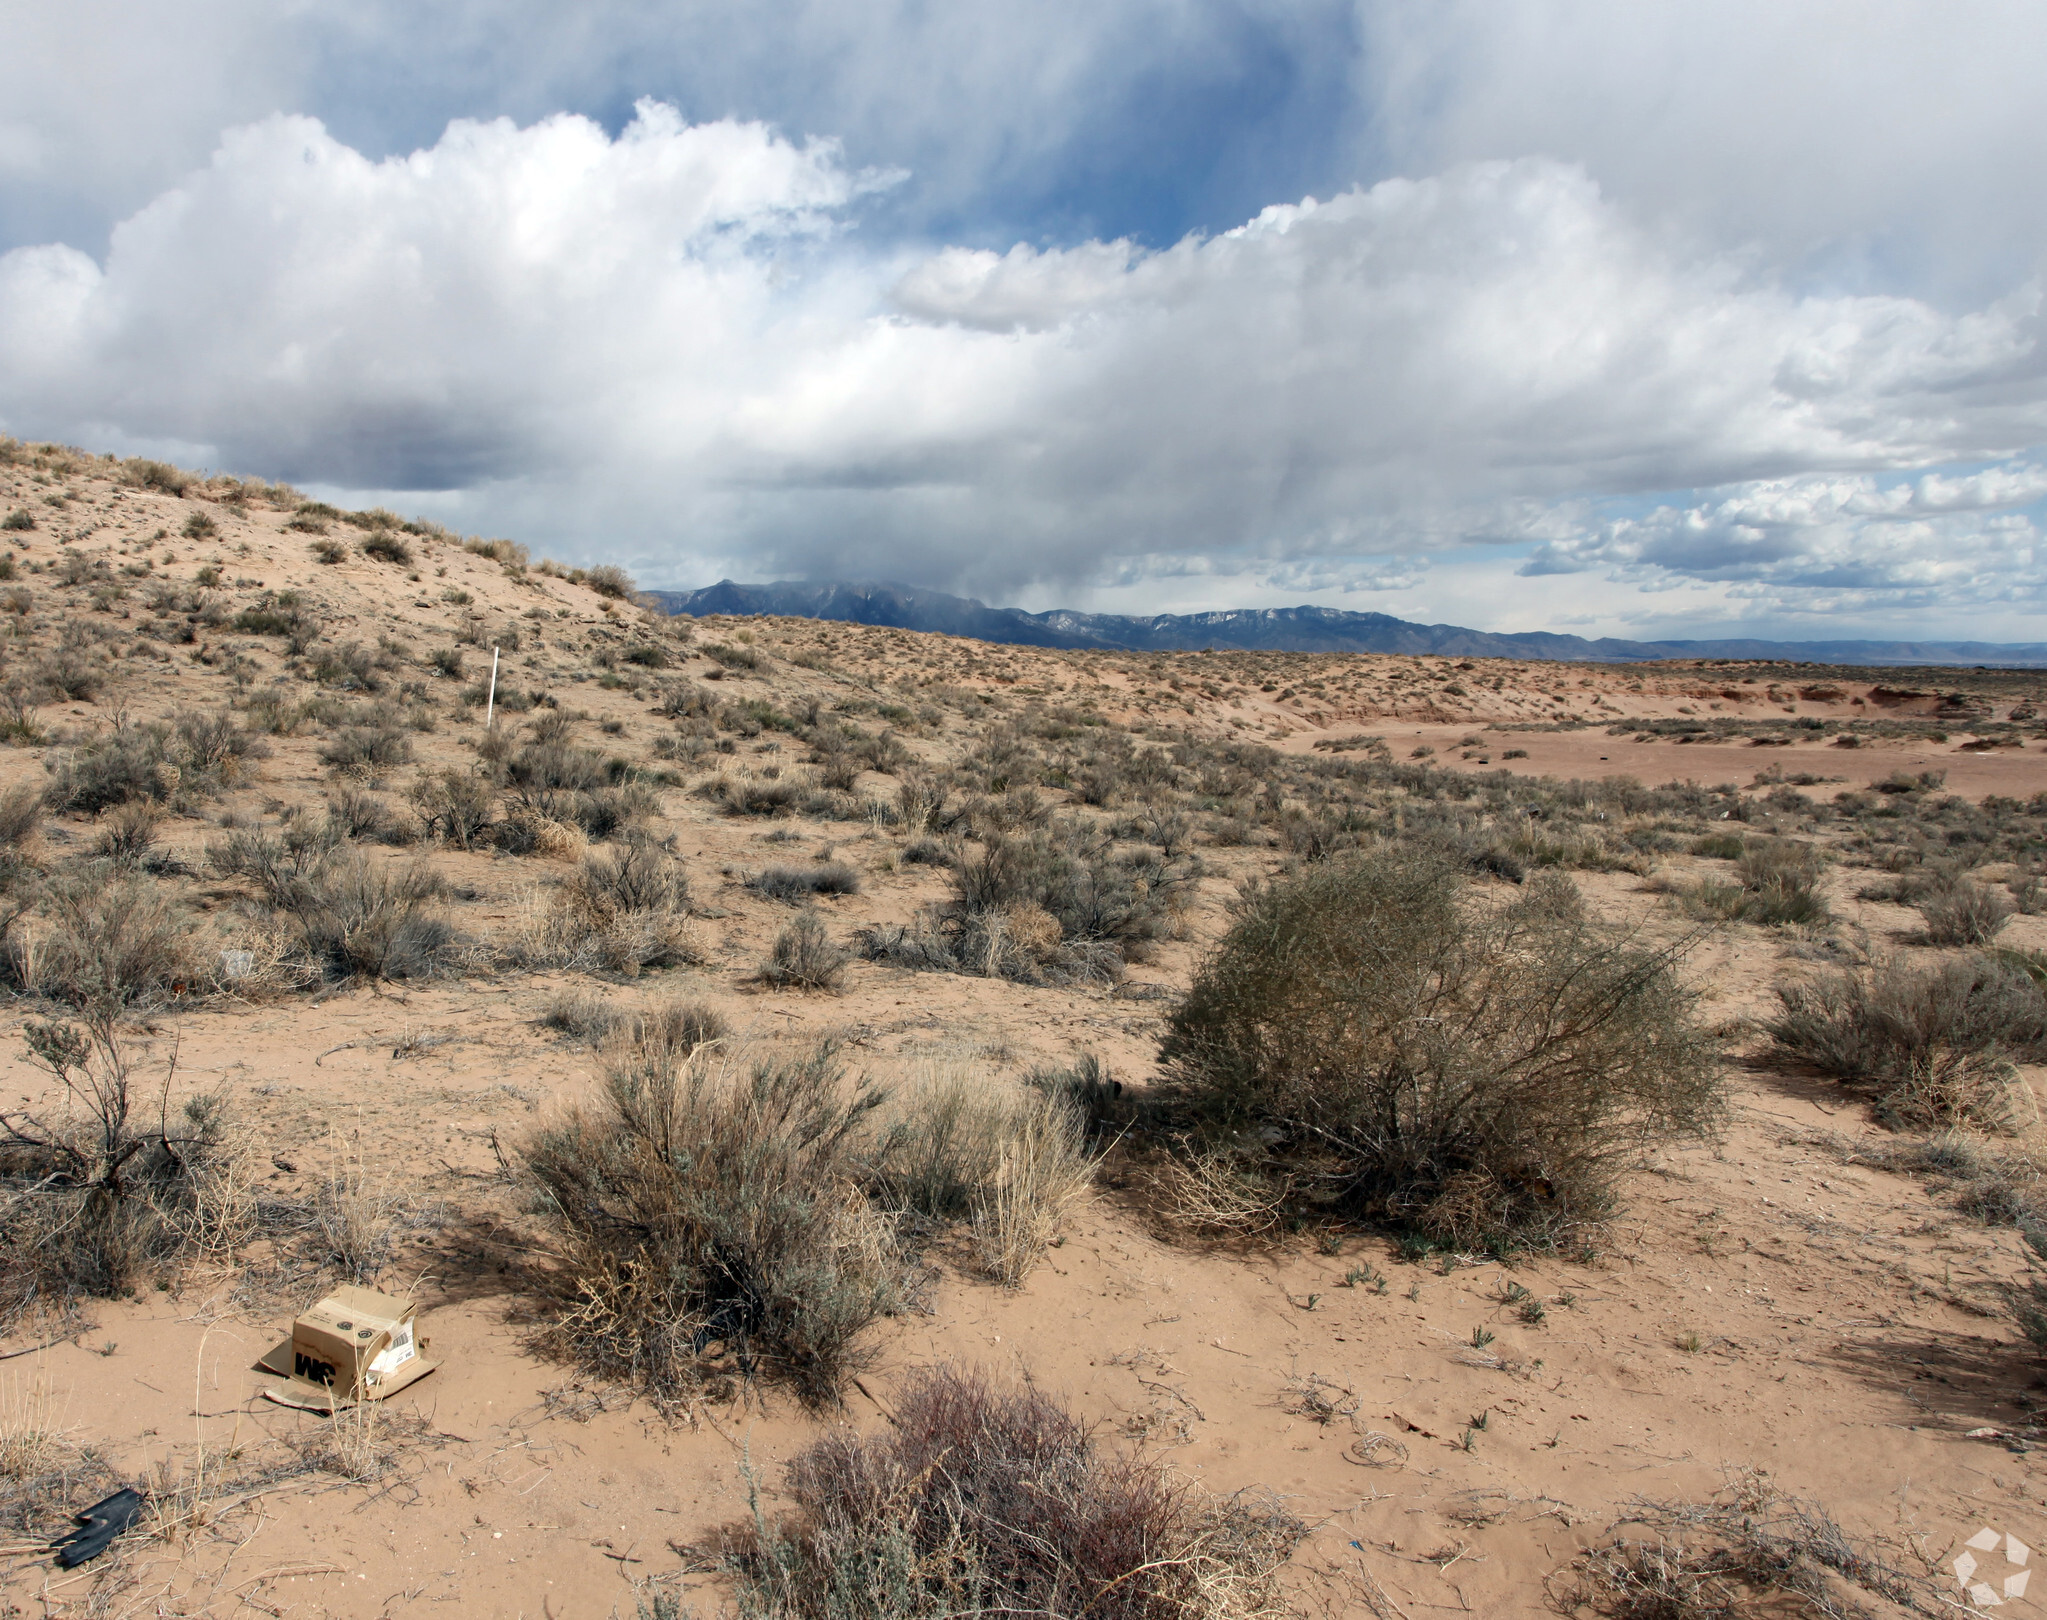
{"type": "Point", "coordinates": [354, 1345]}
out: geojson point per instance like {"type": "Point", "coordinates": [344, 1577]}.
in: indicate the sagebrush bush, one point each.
{"type": "Point", "coordinates": [1477, 1075]}
{"type": "Point", "coordinates": [366, 750]}
{"type": "Point", "coordinates": [94, 1197]}
{"type": "Point", "coordinates": [709, 1221]}
{"type": "Point", "coordinates": [984, 1499]}
{"type": "Point", "coordinates": [1960, 912]}
{"type": "Point", "coordinates": [1053, 904]}
{"type": "Point", "coordinates": [804, 956]}
{"type": "Point", "coordinates": [1933, 1045]}
{"type": "Point", "coordinates": [800, 882]}
{"type": "Point", "coordinates": [622, 910]}
{"type": "Point", "coordinates": [100, 939]}
{"type": "Point", "coordinates": [193, 755]}
{"type": "Point", "coordinates": [361, 917]}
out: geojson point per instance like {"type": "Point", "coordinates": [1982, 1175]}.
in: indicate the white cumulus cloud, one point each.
{"type": "Point", "coordinates": [677, 346]}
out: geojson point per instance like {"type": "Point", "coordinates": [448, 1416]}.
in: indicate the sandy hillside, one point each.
{"type": "Point", "coordinates": [1777, 1301]}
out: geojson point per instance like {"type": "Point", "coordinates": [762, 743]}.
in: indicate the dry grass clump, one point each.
{"type": "Point", "coordinates": [1933, 1045]}
{"type": "Point", "coordinates": [593, 1018]}
{"type": "Point", "coordinates": [96, 1197]}
{"type": "Point", "coordinates": [1748, 1554]}
{"type": "Point", "coordinates": [1009, 1162]}
{"type": "Point", "coordinates": [980, 1499]}
{"type": "Point", "coordinates": [1477, 1075]}
{"type": "Point", "coordinates": [710, 1220]}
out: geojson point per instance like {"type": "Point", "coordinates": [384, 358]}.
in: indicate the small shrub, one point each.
{"type": "Point", "coordinates": [366, 750]}
{"type": "Point", "coordinates": [329, 552]}
{"type": "Point", "coordinates": [457, 806]}
{"type": "Point", "coordinates": [388, 547]}
{"type": "Point", "coordinates": [19, 521]}
{"type": "Point", "coordinates": [144, 474]}
{"type": "Point", "coordinates": [95, 1198]}
{"type": "Point", "coordinates": [622, 911]}
{"type": "Point", "coordinates": [362, 918]}
{"type": "Point", "coordinates": [1933, 1045]}
{"type": "Point", "coordinates": [805, 957]}
{"type": "Point", "coordinates": [794, 883]}
{"type": "Point", "coordinates": [103, 942]}
{"type": "Point", "coordinates": [984, 1500]}
{"type": "Point", "coordinates": [731, 657]}
{"type": "Point", "coordinates": [608, 579]}
{"type": "Point", "coordinates": [710, 1223]}
{"type": "Point", "coordinates": [128, 832]}
{"type": "Point", "coordinates": [1474, 1075]}
{"type": "Point", "coordinates": [752, 796]}
{"type": "Point", "coordinates": [1964, 913]}
{"type": "Point", "coordinates": [199, 526]}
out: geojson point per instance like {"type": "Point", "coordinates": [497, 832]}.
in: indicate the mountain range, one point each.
{"type": "Point", "coordinates": [1295, 629]}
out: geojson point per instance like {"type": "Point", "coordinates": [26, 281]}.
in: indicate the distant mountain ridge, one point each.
{"type": "Point", "coordinates": [1295, 629]}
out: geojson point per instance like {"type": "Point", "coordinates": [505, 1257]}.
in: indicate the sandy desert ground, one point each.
{"type": "Point", "coordinates": [1773, 1303]}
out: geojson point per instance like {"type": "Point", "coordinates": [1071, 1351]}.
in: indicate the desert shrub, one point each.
{"type": "Point", "coordinates": [96, 1198]}
{"type": "Point", "coordinates": [388, 547]}
{"type": "Point", "coordinates": [608, 579]}
{"type": "Point", "coordinates": [1010, 1162]}
{"type": "Point", "coordinates": [1960, 912]}
{"type": "Point", "coordinates": [730, 657]}
{"type": "Point", "coordinates": [355, 814]}
{"type": "Point", "coordinates": [128, 832]}
{"type": "Point", "coordinates": [1933, 1045]}
{"type": "Point", "coordinates": [366, 750]}
{"type": "Point", "coordinates": [20, 520]}
{"type": "Point", "coordinates": [756, 796]}
{"type": "Point", "coordinates": [21, 816]}
{"type": "Point", "coordinates": [509, 553]}
{"type": "Point", "coordinates": [145, 474]}
{"type": "Point", "coordinates": [983, 1500]}
{"type": "Point", "coordinates": [358, 917]}
{"type": "Point", "coordinates": [803, 956]}
{"type": "Point", "coordinates": [1056, 904]}
{"type": "Point", "coordinates": [680, 1026]}
{"type": "Point", "coordinates": [622, 910]}
{"type": "Point", "coordinates": [127, 764]}
{"type": "Point", "coordinates": [1476, 1075]}
{"type": "Point", "coordinates": [457, 806]}
{"type": "Point", "coordinates": [196, 754]}
{"type": "Point", "coordinates": [709, 1222]}
{"type": "Point", "coordinates": [1781, 878]}
{"type": "Point", "coordinates": [684, 700]}
{"type": "Point", "coordinates": [101, 940]}
{"type": "Point", "coordinates": [800, 882]}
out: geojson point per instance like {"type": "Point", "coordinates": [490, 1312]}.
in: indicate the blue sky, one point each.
{"type": "Point", "coordinates": [1628, 318]}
